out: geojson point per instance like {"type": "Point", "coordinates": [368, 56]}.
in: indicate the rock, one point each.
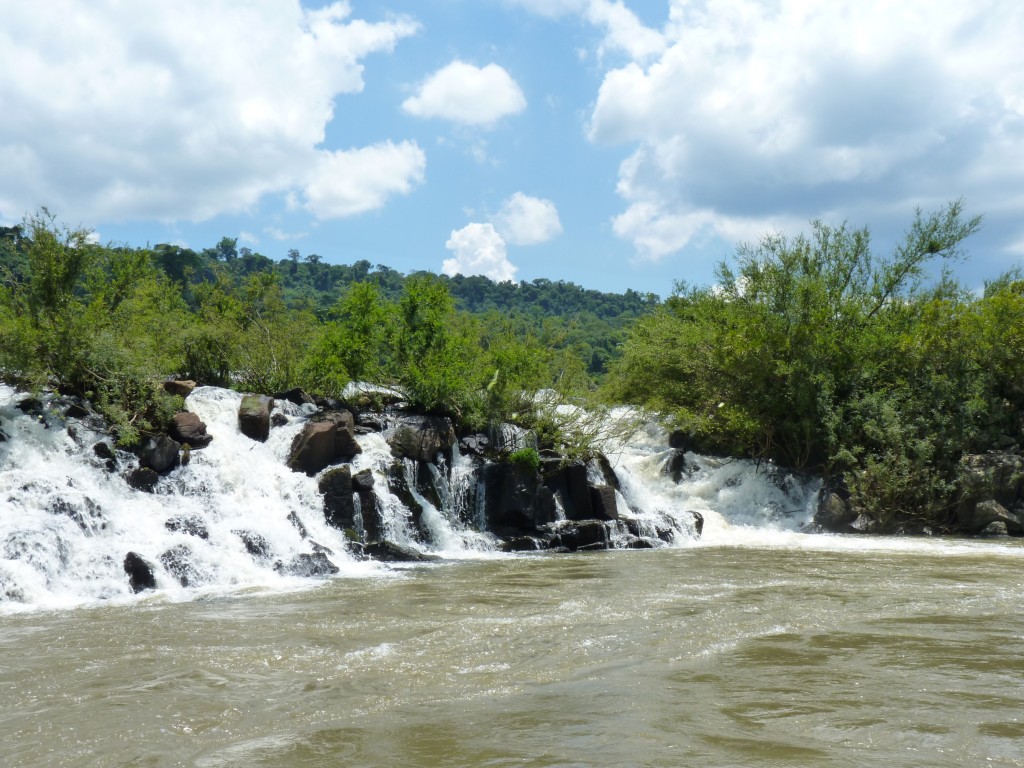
{"type": "Point", "coordinates": [678, 466]}
{"type": "Point", "coordinates": [864, 524]}
{"type": "Point", "coordinates": [698, 522]}
{"type": "Point", "coordinates": [639, 542]}
{"type": "Point", "coordinates": [296, 396]}
{"type": "Point", "coordinates": [278, 419]}
{"type": "Point", "coordinates": [32, 406]}
{"type": "Point", "coordinates": [178, 560]}
{"type": "Point", "coordinates": [523, 544]}
{"type": "Point", "coordinates": [995, 529]}
{"type": "Point", "coordinates": [582, 534]}
{"type": "Point", "coordinates": [369, 511]}
{"type": "Point", "coordinates": [4, 437]}
{"type": "Point", "coordinates": [600, 465]}
{"type": "Point", "coordinates": [327, 438]}
{"type": "Point", "coordinates": [85, 513]}
{"type": "Point", "coordinates": [191, 526]}
{"type": "Point", "coordinates": [140, 572]}
{"type": "Point", "coordinates": [390, 552]}
{"type": "Point", "coordinates": [977, 517]}
{"type": "Point", "coordinates": [142, 479]}
{"type": "Point", "coordinates": [76, 411]}
{"type": "Point", "coordinates": [603, 503]}
{"type": "Point", "coordinates": [680, 440]}
{"type": "Point", "coordinates": [474, 445]}
{"type": "Point", "coordinates": [104, 452]}
{"type": "Point", "coordinates": [362, 481]}
{"type": "Point", "coordinates": [159, 453]}
{"type": "Point", "coordinates": [255, 544]}
{"type": "Point", "coordinates": [336, 486]}
{"type": "Point", "coordinates": [570, 485]}
{"type": "Point", "coordinates": [309, 565]}
{"type": "Point", "coordinates": [515, 500]}
{"type": "Point", "coordinates": [254, 417]}
{"type": "Point", "coordinates": [370, 422]}
{"type": "Point", "coordinates": [421, 437]}
{"type": "Point", "coordinates": [834, 514]}
{"type": "Point", "coordinates": [179, 387]}
{"type": "Point", "coordinates": [297, 523]}
{"type": "Point", "coordinates": [188, 428]}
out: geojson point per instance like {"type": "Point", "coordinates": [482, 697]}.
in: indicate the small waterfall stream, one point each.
{"type": "Point", "coordinates": [236, 517]}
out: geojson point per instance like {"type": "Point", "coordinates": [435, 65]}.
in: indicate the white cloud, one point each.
{"type": "Point", "coordinates": [172, 110]}
{"type": "Point", "coordinates": [360, 180]}
{"type": "Point", "coordinates": [623, 31]}
{"type": "Point", "coordinates": [478, 250]}
{"type": "Point", "coordinates": [463, 93]}
{"type": "Point", "coordinates": [759, 113]}
{"type": "Point", "coordinates": [525, 220]}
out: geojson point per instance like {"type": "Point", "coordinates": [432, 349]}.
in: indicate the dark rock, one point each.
{"type": "Point", "coordinates": [515, 500]}
{"type": "Point", "coordinates": [140, 572]}
{"type": "Point", "coordinates": [390, 552]}
{"type": "Point", "coordinates": [181, 388]}
{"type": "Point", "coordinates": [370, 421]}
{"type": "Point", "coordinates": [255, 544]}
{"type": "Point", "coordinates": [336, 486]}
{"type": "Point", "coordinates": [582, 535]}
{"type": "Point", "coordinates": [32, 406]}
{"type": "Point", "coordinates": [604, 467]}
{"type": "Point", "coordinates": [192, 526]}
{"type": "Point", "coordinates": [990, 477]}
{"type": "Point", "coordinates": [76, 411]}
{"type": "Point", "coordinates": [159, 453]}
{"type": "Point", "coordinates": [864, 524]}
{"type": "Point", "coordinates": [326, 439]}
{"type": "Point", "coordinates": [4, 437]}
{"type": "Point", "coordinates": [142, 479]}
{"type": "Point", "coordinates": [523, 544]}
{"type": "Point", "coordinates": [188, 428]}
{"type": "Point", "coordinates": [977, 517]}
{"type": "Point", "coordinates": [296, 396]}
{"type": "Point", "coordinates": [698, 522]}
{"type": "Point", "coordinates": [603, 504]}
{"type": "Point", "coordinates": [86, 513]}
{"type": "Point", "coordinates": [421, 437]}
{"type": "Point", "coordinates": [474, 445]}
{"type": "Point", "coordinates": [106, 453]}
{"type": "Point", "coordinates": [369, 512]}
{"type": "Point", "coordinates": [254, 416]}
{"type": "Point", "coordinates": [309, 565]}
{"type": "Point", "coordinates": [178, 560]}
{"type": "Point", "coordinates": [995, 529]}
{"type": "Point", "coordinates": [678, 466]}
{"type": "Point", "coordinates": [835, 513]}
{"type": "Point", "coordinates": [680, 440]}
{"type": "Point", "coordinates": [278, 419]}
{"type": "Point", "coordinates": [570, 485]}
{"type": "Point", "coordinates": [639, 542]}
{"type": "Point", "coordinates": [362, 480]}
{"type": "Point", "coordinates": [398, 484]}
{"type": "Point", "coordinates": [667, 534]}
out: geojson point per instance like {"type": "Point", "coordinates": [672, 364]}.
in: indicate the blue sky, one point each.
{"type": "Point", "coordinates": [614, 143]}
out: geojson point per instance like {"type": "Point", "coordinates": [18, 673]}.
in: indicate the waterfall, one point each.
{"type": "Point", "coordinates": [236, 517]}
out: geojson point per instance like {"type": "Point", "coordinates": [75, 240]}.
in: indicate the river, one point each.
{"type": "Point", "coordinates": [810, 651]}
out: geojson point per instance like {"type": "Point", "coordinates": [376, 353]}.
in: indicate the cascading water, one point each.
{"type": "Point", "coordinates": [237, 517]}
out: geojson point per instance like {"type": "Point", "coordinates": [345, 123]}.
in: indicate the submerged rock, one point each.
{"type": "Point", "coordinates": [390, 552]}
{"type": "Point", "coordinates": [309, 565]}
{"type": "Point", "coordinates": [140, 572]}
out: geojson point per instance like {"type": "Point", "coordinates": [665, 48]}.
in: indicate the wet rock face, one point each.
{"type": "Point", "coordinates": [327, 438]}
{"type": "Point", "coordinates": [422, 437]}
{"type": "Point", "coordinates": [140, 572]}
{"type": "Point", "coordinates": [339, 508]}
{"type": "Point", "coordinates": [390, 552]}
{"type": "Point", "coordinates": [309, 565]}
{"type": "Point", "coordinates": [515, 499]}
{"type": "Point", "coordinates": [180, 563]}
{"type": "Point", "coordinates": [188, 428]}
{"type": "Point", "coordinates": [159, 453]}
{"type": "Point", "coordinates": [142, 479]}
{"type": "Point", "coordinates": [254, 416]}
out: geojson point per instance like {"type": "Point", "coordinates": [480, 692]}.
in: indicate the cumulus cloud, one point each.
{"type": "Point", "coordinates": [478, 249]}
{"type": "Point", "coordinates": [623, 31]}
{"type": "Point", "coordinates": [525, 220]}
{"type": "Point", "coordinates": [348, 183]}
{"type": "Point", "coordinates": [463, 93]}
{"type": "Point", "coordinates": [758, 113]}
{"type": "Point", "coordinates": [178, 111]}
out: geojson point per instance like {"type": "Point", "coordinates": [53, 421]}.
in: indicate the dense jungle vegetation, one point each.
{"type": "Point", "coordinates": [879, 372]}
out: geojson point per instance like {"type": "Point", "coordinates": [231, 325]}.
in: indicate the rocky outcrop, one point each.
{"type": "Point", "coordinates": [515, 499]}
{"type": "Point", "coordinates": [339, 508]}
{"type": "Point", "coordinates": [254, 416]}
{"type": "Point", "coordinates": [188, 429]}
{"type": "Point", "coordinates": [180, 387]}
{"type": "Point", "coordinates": [390, 552]}
{"type": "Point", "coordinates": [421, 437]}
{"type": "Point", "coordinates": [991, 490]}
{"type": "Point", "coordinates": [327, 438]}
{"type": "Point", "coordinates": [570, 485]}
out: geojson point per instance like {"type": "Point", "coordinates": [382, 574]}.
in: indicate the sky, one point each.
{"type": "Point", "coordinates": [612, 143]}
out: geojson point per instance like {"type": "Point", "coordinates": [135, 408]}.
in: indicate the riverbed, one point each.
{"type": "Point", "coordinates": [818, 651]}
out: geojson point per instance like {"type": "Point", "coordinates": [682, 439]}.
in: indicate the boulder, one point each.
{"type": "Point", "coordinates": [362, 481]}
{"type": "Point", "coordinates": [523, 544]}
{"type": "Point", "coordinates": [582, 535]}
{"type": "Point", "coordinates": [31, 406]}
{"type": "Point", "coordinates": [140, 572]}
{"type": "Point", "coordinates": [834, 514]}
{"type": "Point", "coordinates": [188, 428]}
{"type": "Point", "coordinates": [179, 562]}
{"type": "Point", "coordinates": [191, 526]}
{"type": "Point", "coordinates": [390, 552]}
{"type": "Point", "coordinates": [106, 454]}
{"type": "Point", "coordinates": [159, 453]}
{"type": "Point", "coordinates": [421, 437]}
{"type": "Point", "coordinates": [976, 518]}
{"type": "Point", "coordinates": [570, 485]}
{"type": "Point", "coordinates": [278, 419]}
{"type": "Point", "coordinates": [254, 416]}
{"type": "Point", "coordinates": [180, 387]}
{"type": "Point", "coordinates": [255, 544]}
{"type": "Point", "coordinates": [602, 502]}
{"type": "Point", "coordinates": [296, 396]}
{"type": "Point", "coordinates": [336, 486]}
{"type": "Point", "coordinates": [327, 438]}
{"type": "Point", "coordinates": [679, 466]}
{"type": "Point", "coordinates": [142, 479]}
{"type": "Point", "coordinates": [309, 565]}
